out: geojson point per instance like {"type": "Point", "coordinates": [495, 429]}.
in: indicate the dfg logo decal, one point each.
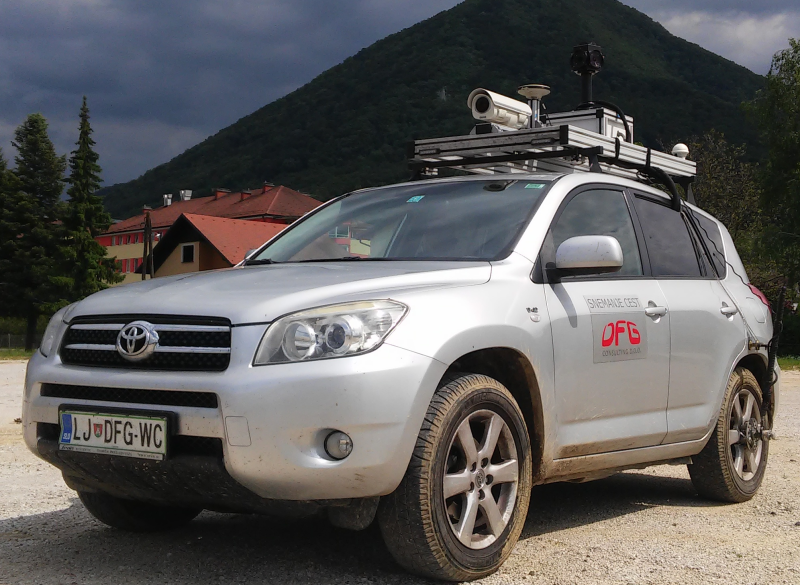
{"type": "Point", "coordinates": [618, 337]}
{"type": "Point", "coordinates": [613, 331]}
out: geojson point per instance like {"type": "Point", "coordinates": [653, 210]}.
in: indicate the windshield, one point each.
{"type": "Point", "coordinates": [474, 220]}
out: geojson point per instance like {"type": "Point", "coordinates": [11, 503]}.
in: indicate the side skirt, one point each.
{"type": "Point", "coordinates": [604, 464]}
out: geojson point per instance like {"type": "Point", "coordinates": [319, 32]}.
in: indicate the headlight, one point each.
{"type": "Point", "coordinates": [50, 333]}
{"type": "Point", "coordinates": [329, 332]}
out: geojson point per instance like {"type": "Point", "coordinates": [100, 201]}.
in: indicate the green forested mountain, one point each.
{"type": "Point", "coordinates": [348, 128]}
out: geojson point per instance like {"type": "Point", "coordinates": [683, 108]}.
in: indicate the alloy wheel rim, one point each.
{"type": "Point", "coordinates": [480, 479]}
{"type": "Point", "coordinates": [745, 444]}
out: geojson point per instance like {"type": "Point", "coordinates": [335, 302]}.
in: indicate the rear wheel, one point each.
{"type": "Point", "coordinates": [461, 506]}
{"type": "Point", "coordinates": [136, 516]}
{"type": "Point", "coordinates": [731, 466]}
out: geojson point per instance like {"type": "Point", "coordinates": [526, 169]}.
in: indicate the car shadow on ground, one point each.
{"type": "Point", "coordinates": [69, 546]}
{"type": "Point", "coordinates": [560, 506]}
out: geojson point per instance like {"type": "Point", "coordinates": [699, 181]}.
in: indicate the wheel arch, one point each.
{"type": "Point", "coordinates": [514, 371]}
{"type": "Point", "coordinates": [756, 363]}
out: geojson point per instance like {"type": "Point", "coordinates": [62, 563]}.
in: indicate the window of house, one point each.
{"type": "Point", "coordinates": [187, 253]}
{"type": "Point", "coordinates": [341, 231]}
{"type": "Point", "coordinates": [672, 250]}
{"type": "Point", "coordinates": [598, 212]}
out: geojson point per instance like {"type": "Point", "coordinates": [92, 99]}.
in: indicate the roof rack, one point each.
{"type": "Point", "coordinates": [516, 137]}
{"type": "Point", "coordinates": [564, 149]}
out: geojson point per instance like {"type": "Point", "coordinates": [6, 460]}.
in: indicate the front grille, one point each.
{"type": "Point", "coordinates": [183, 344]}
{"type": "Point", "coordinates": [132, 395]}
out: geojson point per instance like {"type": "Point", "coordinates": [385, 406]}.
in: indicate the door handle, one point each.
{"type": "Point", "coordinates": [655, 311]}
{"type": "Point", "coordinates": [728, 311]}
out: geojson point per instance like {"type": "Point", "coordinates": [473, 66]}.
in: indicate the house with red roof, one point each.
{"type": "Point", "coordinates": [201, 242]}
{"type": "Point", "coordinates": [270, 204]}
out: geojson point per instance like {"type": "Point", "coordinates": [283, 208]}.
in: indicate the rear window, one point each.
{"type": "Point", "coordinates": [709, 231]}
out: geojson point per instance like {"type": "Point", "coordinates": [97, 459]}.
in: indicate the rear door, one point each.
{"type": "Point", "coordinates": [611, 360]}
{"type": "Point", "coordinates": [706, 332]}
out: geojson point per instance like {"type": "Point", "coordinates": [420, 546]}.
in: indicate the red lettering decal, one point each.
{"type": "Point", "coordinates": [610, 339]}
{"type": "Point", "coordinates": [633, 333]}
{"type": "Point", "coordinates": [620, 328]}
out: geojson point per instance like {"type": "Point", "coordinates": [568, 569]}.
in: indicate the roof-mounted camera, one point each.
{"type": "Point", "coordinates": [515, 137]}
{"type": "Point", "coordinates": [587, 60]}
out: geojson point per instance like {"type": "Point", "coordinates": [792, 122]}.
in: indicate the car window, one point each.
{"type": "Point", "coordinates": [709, 231]}
{"type": "Point", "coordinates": [670, 246]}
{"type": "Point", "coordinates": [472, 220]}
{"type": "Point", "coordinates": [600, 212]}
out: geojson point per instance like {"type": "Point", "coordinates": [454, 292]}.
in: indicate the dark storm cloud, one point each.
{"type": "Point", "coordinates": [163, 75]}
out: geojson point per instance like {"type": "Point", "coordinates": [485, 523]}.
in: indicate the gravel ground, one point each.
{"type": "Point", "coordinates": [643, 527]}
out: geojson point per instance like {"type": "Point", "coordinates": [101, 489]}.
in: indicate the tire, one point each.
{"type": "Point", "coordinates": [135, 516]}
{"type": "Point", "coordinates": [420, 526]}
{"type": "Point", "coordinates": [724, 470]}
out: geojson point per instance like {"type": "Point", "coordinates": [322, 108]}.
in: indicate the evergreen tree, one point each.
{"type": "Point", "coordinates": [12, 207]}
{"type": "Point", "coordinates": [32, 209]}
{"type": "Point", "coordinates": [88, 268]}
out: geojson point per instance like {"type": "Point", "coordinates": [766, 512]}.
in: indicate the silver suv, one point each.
{"type": "Point", "coordinates": [422, 354]}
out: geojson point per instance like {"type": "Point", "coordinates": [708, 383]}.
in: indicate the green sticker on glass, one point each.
{"type": "Point", "coordinates": [534, 186]}
{"type": "Point", "coordinates": [416, 199]}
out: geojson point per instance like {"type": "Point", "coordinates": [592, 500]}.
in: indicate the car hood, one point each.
{"type": "Point", "coordinates": [259, 294]}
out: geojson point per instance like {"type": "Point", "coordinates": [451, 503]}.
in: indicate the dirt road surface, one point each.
{"type": "Point", "coordinates": [643, 527]}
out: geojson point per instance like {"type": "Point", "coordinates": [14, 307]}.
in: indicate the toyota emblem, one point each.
{"type": "Point", "coordinates": [137, 341]}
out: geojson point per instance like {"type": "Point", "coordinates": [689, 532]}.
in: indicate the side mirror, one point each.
{"type": "Point", "coordinates": [249, 253]}
{"type": "Point", "coordinates": [587, 255]}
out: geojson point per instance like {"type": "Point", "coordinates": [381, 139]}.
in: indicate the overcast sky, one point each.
{"type": "Point", "coordinates": [162, 75]}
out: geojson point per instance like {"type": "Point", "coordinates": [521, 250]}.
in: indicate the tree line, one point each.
{"type": "Point", "coordinates": [760, 202]}
{"type": "Point", "coordinates": [48, 253]}
{"type": "Point", "coordinates": [49, 256]}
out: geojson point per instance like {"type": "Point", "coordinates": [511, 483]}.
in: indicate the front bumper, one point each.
{"type": "Point", "coordinates": [272, 420]}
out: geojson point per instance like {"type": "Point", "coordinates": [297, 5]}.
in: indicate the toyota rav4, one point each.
{"type": "Point", "coordinates": [421, 354]}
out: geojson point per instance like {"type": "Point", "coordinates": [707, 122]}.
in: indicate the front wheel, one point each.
{"type": "Point", "coordinates": [461, 506]}
{"type": "Point", "coordinates": [731, 466]}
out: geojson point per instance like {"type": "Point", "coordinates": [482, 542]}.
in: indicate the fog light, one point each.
{"type": "Point", "coordinates": [338, 445]}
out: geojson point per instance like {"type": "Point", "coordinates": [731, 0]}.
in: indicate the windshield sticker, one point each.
{"type": "Point", "coordinates": [534, 186]}
{"type": "Point", "coordinates": [619, 337]}
{"type": "Point", "coordinates": [416, 199]}
{"type": "Point", "coordinates": [612, 304]}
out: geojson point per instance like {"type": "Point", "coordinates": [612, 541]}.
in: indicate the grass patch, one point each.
{"type": "Point", "coordinates": [789, 362]}
{"type": "Point", "coordinates": [21, 354]}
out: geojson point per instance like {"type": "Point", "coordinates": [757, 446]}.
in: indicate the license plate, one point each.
{"type": "Point", "coordinates": [142, 437]}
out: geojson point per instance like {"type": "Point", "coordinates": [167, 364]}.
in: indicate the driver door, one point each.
{"type": "Point", "coordinates": [611, 358]}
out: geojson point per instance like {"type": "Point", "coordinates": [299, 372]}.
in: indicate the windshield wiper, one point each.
{"type": "Point", "coordinates": [344, 259]}
{"type": "Point", "coordinates": [260, 261]}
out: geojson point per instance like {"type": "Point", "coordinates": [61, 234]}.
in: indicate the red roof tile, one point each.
{"type": "Point", "coordinates": [275, 201]}
{"type": "Point", "coordinates": [234, 237]}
